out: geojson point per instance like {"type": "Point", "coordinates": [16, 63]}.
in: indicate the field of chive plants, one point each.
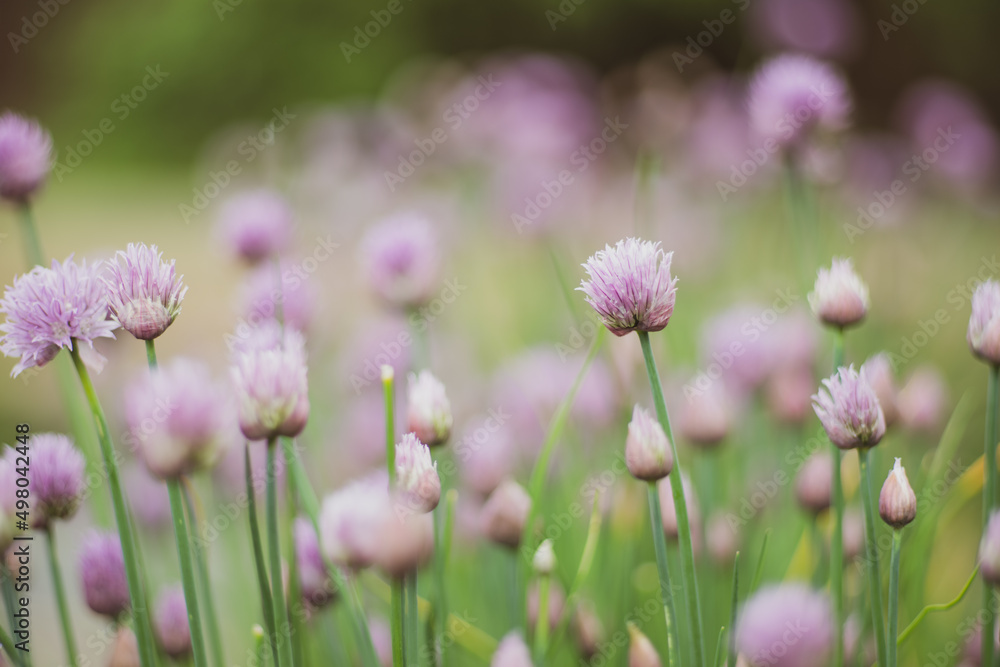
{"type": "Point", "coordinates": [515, 367]}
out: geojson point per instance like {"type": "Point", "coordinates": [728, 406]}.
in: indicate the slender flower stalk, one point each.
{"type": "Point", "coordinates": [897, 541]}
{"type": "Point", "coordinates": [686, 545]}
{"type": "Point", "coordinates": [258, 558]}
{"type": "Point", "coordinates": [989, 501]}
{"type": "Point", "coordinates": [398, 586]}
{"type": "Point", "coordinates": [666, 589]}
{"type": "Point", "coordinates": [205, 596]}
{"type": "Point", "coordinates": [837, 539]}
{"type": "Point", "coordinates": [871, 550]}
{"type": "Point", "coordinates": [137, 594]}
{"type": "Point", "coordinates": [544, 564]}
{"type": "Point", "coordinates": [274, 558]}
{"type": "Point", "coordinates": [182, 534]}
{"type": "Point", "coordinates": [897, 505]}
{"type": "Point", "coordinates": [57, 584]}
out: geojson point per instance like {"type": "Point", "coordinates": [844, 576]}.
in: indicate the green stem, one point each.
{"type": "Point", "coordinates": [32, 244]}
{"type": "Point", "coordinates": [390, 428]}
{"type": "Point", "coordinates": [137, 594]}
{"type": "Point", "coordinates": [258, 557]}
{"type": "Point", "coordinates": [871, 547]}
{"type": "Point", "coordinates": [680, 504]}
{"type": "Point", "coordinates": [942, 606]}
{"type": "Point", "coordinates": [295, 603]}
{"type": "Point", "coordinates": [542, 622]}
{"type": "Point", "coordinates": [398, 624]}
{"type": "Point", "coordinates": [411, 618]}
{"type": "Point", "coordinates": [8, 646]}
{"type": "Point", "coordinates": [187, 571]}
{"type": "Point", "coordinates": [57, 584]}
{"type": "Point", "coordinates": [282, 637]}
{"type": "Point", "coordinates": [731, 643]}
{"type": "Point", "coordinates": [7, 582]}
{"type": "Point", "coordinates": [151, 355]}
{"type": "Point", "coordinates": [897, 540]}
{"type": "Point", "coordinates": [989, 502]}
{"type": "Point", "coordinates": [442, 524]}
{"type": "Point", "coordinates": [205, 596]}
{"type": "Point", "coordinates": [837, 538]}
{"type": "Point", "coordinates": [666, 590]}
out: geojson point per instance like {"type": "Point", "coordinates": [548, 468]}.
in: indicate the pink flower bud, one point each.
{"type": "Point", "coordinates": [647, 450]}
{"type": "Point", "coordinates": [839, 297]}
{"type": "Point", "coordinates": [429, 412]}
{"type": "Point", "coordinates": [897, 504]}
{"type": "Point", "coordinates": [505, 513]}
{"type": "Point", "coordinates": [641, 652]}
{"type": "Point", "coordinates": [984, 323]}
{"type": "Point", "coordinates": [416, 476]}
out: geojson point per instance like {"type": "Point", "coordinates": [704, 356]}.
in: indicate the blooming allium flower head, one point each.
{"type": "Point", "coordinates": [256, 224]}
{"type": "Point", "coordinates": [984, 324]}
{"type": "Point", "coordinates": [55, 477]}
{"type": "Point", "coordinates": [790, 95]}
{"type": "Point", "coordinates": [314, 581]}
{"type": "Point", "coordinates": [630, 286]}
{"type": "Point", "coordinates": [989, 551]}
{"type": "Point", "coordinates": [25, 157]}
{"type": "Point", "coordinates": [102, 568]}
{"type": "Point", "coordinates": [171, 620]}
{"type": "Point", "coordinates": [878, 370]}
{"type": "Point", "coordinates": [849, 410]}
{"type": "Point", "coordinates": [505, 513]}
{"type": "Point", "coordinates": [348, 519]}
{"type": "Point", "coordinates": [641, 652]}
{"type": "Point", "coordinates": [48, 308]}
{"type": "Point", "coordinates": [429, 412]}
{"type": "Point", "coordinates": [401, 258]}
{"type": "Point", "coordinates": [840, 297]}
{"type": "Point", "coordinates": [897, 504]}
{"type": "Point", "coordinates": [647, 450]}
{"type": "Point", "coordinates": [773, 615]}
{"type": "Point", "coordinates": [512, 652]}
{"type": "Point", "coordinates": [814, 483]}
{"type": "Point", "coordinates": [416, 475]}
{"type": "Point", "coordinates": [144, 292]}
{"type": "Point", "coordinates": [176, 417]}
{"type": "Point", "coordinates": [272, 389]}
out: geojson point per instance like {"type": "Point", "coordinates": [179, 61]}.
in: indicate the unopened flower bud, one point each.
{"type": "Point", "coordinates": [505, 513]}
{"type": "Point", "coordinates": [404, 544]}
{"type": "Point", "coordinates": [544, 562]}
{"type": "Point", "coordinates": [511, 652]}
{"type": "Point", "coordinates": [126, 649]}
{"type": "Point", "coordinates": [429, 413]}
{"type": "Point", "coordinates": [897, 504]}
{"type": "Point", "coordinates": [102, 568]}
{"type": "Point", "coordinates": [814, 483]}
{"type": "Point", "coordinates": [989, 551]}
{"type": "Point", "coordinates": [647, 450]}
{"type": "Point", "coordinates": [171, 624]}
{"type": "Point", "coordinates": [839, 298]}
{"type": "Point", "coordinates": [641, 652]}
{"type": "Point", "coordinates": [984, 324]}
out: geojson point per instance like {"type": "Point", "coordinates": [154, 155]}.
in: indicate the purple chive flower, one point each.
{"type": "Point", "coordinates": [814, 483]}
{"type": "Point", "coordinates": [429, 412]}
{"type": "Point", "coordinates": [400, 256]}
{"type": "Point", "coordinates": [262, 298]}
{"type": "Point", "coordinates": [630, 286]}
{"type": "Point", "coordinates": [647, 450]}
{"type": "Point", "coordinates": [55, 478]}
{"type": "Point", "coordinates": [148, 497]}
{"type": "Point", "coordinates": [840, 297]}
{"type": "Point", "coordinates": [256, 224]}
{"type": "Point", "coordinates": [25, 157]}
{"type": "Point", "coordinates": [989, 551]}
{"type": "Point", "coordinates": [348, 521]}
{"type": "Point", "coordinates": [849, 410]}
{"type": "Point", "coordinates": [102, 568]}
{"type": "Point", "coordinates": [922, 400]}
{"type": "Point", "coordinates": [791, 95]}
{"type": "Point", "coordinates": [984, 324]}
{"type": "Point", "coordinates": [314, 581]}
{"type": "Point", "coordinates": [788, 625]}
{"type": "Point", "coordinates": [176, 417]}
{"type": "Point", "coordinates": [48, 308]}
{"type": "Point", "coordinates": [512, 652]}
{"type": "Point", "coordinates": [706, 416]}
{"type": "Point", "coordinates": [824, 28]}
{"type": "Point", "coordinates": [173, 631]}
{"type": "Point", "coordinates": [144, 292]}
{"type": "Point", "coordinates": [405, 543]}
{"type": "Point", "coordinates": [417, 478]}
{"type": "Point", "coordinates": [272, 389]}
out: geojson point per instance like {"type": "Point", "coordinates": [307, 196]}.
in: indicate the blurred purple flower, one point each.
{"type": "Point", "coordinates": [317, 588]}
{"type": "Point", "coordinates": [428, 410]}
{"type": "Point", "coordinates": [401, 259]}
{"type": "Point", "coordinates": [262, 295]}
{"type": "Point", "coordinates": [48, 308]}
{"type": "Point", "coordinates": [25, 157]}
{"type": "Point", "coordinates": [824, 28]}
{"type": "Point", "coordinates": [102, 569]}
{"type": "Point", "coordinates": [984, 324]}
{"type": "Point", "coordinates": [511, 652]}
{"type": "Point", "coordinates": [840, 297]}
{"type": "Point", "coordinates": [349, 518]}
{"type": "Point", "coordinates": [922, 400]}
{"type": "Point", "coordinates": [144, 293]}
{"type": "Point", "coordinates": [55, 478]}
{"type": "Point", "coordinates": [788, 625]}
{"type": "Point", "coordinates": [171, 622]}
{"type": "Point", "coordinates": [256, 224]}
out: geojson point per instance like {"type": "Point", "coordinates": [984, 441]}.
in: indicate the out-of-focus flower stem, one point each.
{"type": "Point", "coordinates": [60, 590]}
{"type": "Point", "coordinates": [398, 606]}
{"type": "Point", "coordinates": [258, 557]}
{"type": "Point", "coordinates": [837, 538]}
{"type": "Point", "coordinates": [295, 603]}
{"type": "Point", "coordinates": [274, 560]}
{"type": "Point", "coordinates": [990, 502]}
{"type": "Point", "coordinates": [137, 592]}
{"type": "Point", "coordinates": [666, 590]}
{"type": "Point", "coordinates": [542, 622]}
{"type": "Point", "coordinates": [871, 548]}
{"type": "Point", "coordinates": [680, 503]}
{"type": "Point", "coordinates": [199, 553]}
{"type": "Point", "coordinates": [897, 540]}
